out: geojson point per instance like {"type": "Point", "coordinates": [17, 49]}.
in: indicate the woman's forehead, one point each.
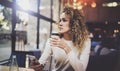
{"type": "Point", "coordinates": [63, 15]}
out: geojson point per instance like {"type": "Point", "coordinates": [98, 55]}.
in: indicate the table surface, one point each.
{"type": "Point", "coordinates": [6, 68]}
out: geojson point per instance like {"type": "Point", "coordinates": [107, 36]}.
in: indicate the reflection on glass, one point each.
{"type": "Point", "coordinates": [25, 31]}
{"type": "Point", "coordinates": [28, 4]}
{"type": "Point", "coordinates": [31, 32]}
{"type": "Point", "coordinates": [5, 32]}
{"type": "Point", "coordinates": [56, 10]}
{"type": "Point", "coordinates": [23, 4]}
{"type": "Point", "coordinates": [44, 33]}
{"type": "Point", "coordinates": [45, 8]}
{"type": "Point", "coordinates": [21, 30]}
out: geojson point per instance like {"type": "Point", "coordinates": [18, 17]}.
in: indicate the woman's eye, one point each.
{"type": "Point", "coordinates": [64, 20]}
{"type": "Point", "coordinates": [59, 20]}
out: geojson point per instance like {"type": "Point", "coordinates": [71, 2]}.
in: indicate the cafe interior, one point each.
{"type": "Point", "coordinates": [25, 26]}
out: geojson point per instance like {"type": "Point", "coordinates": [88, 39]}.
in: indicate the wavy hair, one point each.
{"type": "Point", "coordinates": [78, 29]}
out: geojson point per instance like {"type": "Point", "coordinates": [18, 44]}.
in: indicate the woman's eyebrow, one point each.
{"type": "Point", "coordinates": [64, 19]}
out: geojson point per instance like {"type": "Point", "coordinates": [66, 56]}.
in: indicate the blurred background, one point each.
{"type": "Point", "coordinates": [25, 26]}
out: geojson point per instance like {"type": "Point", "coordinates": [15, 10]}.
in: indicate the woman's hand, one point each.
{"type": "Point", "coordinates": [34, 64]}
{"type": "Point", "coordinates": [37, 67]}
{"type": "Point", "coordinates": [58, 42]}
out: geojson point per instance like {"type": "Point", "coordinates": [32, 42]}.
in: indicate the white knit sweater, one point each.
{"type": "Point", "coordinates": [73, 61]}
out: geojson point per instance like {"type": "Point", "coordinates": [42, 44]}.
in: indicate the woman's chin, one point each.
{"type": "Point", "coordinates": [60, 32]}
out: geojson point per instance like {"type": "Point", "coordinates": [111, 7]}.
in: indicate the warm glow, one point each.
{"type": "Point", "coordinates": [118, 22]}
{"type": "Point", "coordinates": [111, 4]}
{"type": "Point", "coordinates": [74, 4]}
{"type": "Point", "coordinates": [85, 3]}
{"type": "Point", "coordinates": [93, 4]}
{"type": "Point", "coordinates": [115, 4]}
{"type": "Point", "coordinates": [75, 0]}
{"type": "Point", "coordinates": [116, 31]}
{"type": "Point", "coordinates": [75, 7]}
{"type": "Point", "coordinates": [79, 7]}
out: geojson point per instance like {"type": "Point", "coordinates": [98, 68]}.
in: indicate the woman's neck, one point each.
{"type": "Point", "coordinates": [67, 37]}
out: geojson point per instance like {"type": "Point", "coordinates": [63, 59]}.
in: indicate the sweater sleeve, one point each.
{"type": "Point", "coordinates": [80, 63]}
{"type": "Point", "coordinates": [46, 53]}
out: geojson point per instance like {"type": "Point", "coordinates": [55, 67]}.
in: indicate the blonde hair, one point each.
{"type": "Point", "coordinates": [78, 29]}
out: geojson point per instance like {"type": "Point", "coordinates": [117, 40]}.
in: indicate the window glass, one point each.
{"type": "Point", "coordinates": [45, 8]}
{"type": "Point", "coordinates": [54, 28]}
{"type": "Point", "coordinates": [28, 4]}
{"type": "Point", "coordinates": [25, 31]}
{"type": "Point", "coordinates": [44, 33]}
{"type": "Point", "coordinates": [5, 32]}
{"type": "Point", "coordinates": [32, 31]}
{"type": "Point", "coordinates": [56, 10]}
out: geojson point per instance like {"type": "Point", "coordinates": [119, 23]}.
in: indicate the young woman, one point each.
{"type": "Point", "coordinates": [72, 49]}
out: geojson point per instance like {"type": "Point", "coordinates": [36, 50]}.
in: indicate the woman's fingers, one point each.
{"type": "Point", "coordinates": [55, 41]}
{"type": "Point", "coordinates": [37, 67]}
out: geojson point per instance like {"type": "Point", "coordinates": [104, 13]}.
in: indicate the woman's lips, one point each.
{"type": "Point", "coordinates": [60, 28]}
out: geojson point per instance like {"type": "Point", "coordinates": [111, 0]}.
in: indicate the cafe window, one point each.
{"type": "Point", "coordinates": [29, 24]}
{"type": "Point", "coordinates": [45, 8]}
{"type": "Point", "coordinates": [44, 33]}
{"type": "Point", "coordinates": [5, 32]}
{"type": "Point", "coordinates": [28, 4]}
{"type": "Point", "coordinates": [25, 27]}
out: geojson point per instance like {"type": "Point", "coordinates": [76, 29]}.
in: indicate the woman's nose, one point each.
{"type": "Point", "coordinates": [60, 23]}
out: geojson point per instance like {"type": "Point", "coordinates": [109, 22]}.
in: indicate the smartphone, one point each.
{"type": "Point", "coordinates": [33, 60]}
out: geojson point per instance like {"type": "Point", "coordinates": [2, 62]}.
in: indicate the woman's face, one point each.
{"type": "Point", "coordinates": [64, 23]}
